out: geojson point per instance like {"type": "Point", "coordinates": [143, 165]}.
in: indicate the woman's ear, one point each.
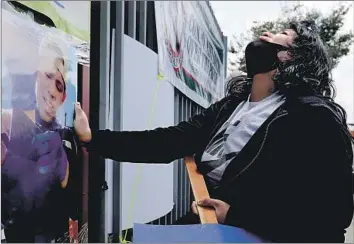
{"type": "Point", "coordinates": [284, 56]}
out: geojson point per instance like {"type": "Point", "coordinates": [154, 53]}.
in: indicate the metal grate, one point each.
{"type": "Point", "coordinates": [137, 20]}
{"type": "Point", "coordinates": [183, 197]}
{"type": "Point", "coordinates": [140, 25]}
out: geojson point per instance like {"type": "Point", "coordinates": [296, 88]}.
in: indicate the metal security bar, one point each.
{"type": "Point", "coordinates": [183, 197]}
{"type": "Point", "coordinates": [137, 20]}
{"type": "Point", "coordinates": [185, 108]}
{"type": "Point", "coordinates": [139, 23]}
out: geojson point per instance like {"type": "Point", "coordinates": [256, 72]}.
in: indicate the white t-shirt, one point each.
{"type": "Point", "coordinates": [235, 134]}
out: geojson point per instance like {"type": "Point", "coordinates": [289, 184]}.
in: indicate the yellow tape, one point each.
{"type": "Point", "coordinates": [160, 76]}
{"type": "Point", "coordinates": [137, 178]}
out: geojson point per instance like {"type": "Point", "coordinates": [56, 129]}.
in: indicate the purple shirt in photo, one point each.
{"type": "Point", "coordinates": [35, 164]}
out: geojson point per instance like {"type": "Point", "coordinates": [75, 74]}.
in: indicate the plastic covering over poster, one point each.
{"type": "Point", "coordinates": [65, 17]}
{"type": "Point", "coordinates": [39, 150]}
{"type": "Point", "coordinates": [191, 49]}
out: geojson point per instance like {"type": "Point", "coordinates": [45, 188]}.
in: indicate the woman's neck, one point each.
{"type": "Point", "coordinates": [262, 87]}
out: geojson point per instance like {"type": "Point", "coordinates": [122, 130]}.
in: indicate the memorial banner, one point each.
{"type": "Point", "coordinates": [190, 49]}
{"type": "Point", "coordinates": [39, 148]}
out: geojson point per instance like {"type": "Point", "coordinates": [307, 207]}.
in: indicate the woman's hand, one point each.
{"type": "Point", "coordinates": [221, 208]}
{"type": "Point", "coordinates": [81, 124]}
{"type": "Point", "coordinates": [284, 39]}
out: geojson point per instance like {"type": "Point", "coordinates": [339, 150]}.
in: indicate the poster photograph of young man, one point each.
{"type": "Point", "coordinates": [38, 145]}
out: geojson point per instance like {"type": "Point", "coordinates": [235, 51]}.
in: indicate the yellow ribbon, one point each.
{"type": "Point", "coordinates": [137, 178]}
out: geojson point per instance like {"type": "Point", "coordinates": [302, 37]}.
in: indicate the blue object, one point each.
{"type": "Point", "coordinates": [59, 4]}
{"type": "Point", "coordinates": [206, 233]}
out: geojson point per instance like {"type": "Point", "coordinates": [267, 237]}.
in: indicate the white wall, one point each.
{"type": "Point", "coordinates": [154, 195]}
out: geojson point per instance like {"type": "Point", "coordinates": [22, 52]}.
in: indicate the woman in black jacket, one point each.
{"type": "Point", "coordinates": [275, 152]}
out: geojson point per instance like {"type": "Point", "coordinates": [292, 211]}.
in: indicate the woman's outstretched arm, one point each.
{"type": "Point", "coordinates": [161, 145]}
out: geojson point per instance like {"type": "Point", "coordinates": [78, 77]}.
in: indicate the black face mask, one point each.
{"type": "Point", "coordinates": [261, 57]}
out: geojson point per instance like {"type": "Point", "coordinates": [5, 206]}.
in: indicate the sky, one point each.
{"type": "Point", "coordinates": [236, 18]}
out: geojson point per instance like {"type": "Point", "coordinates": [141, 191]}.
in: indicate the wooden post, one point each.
{"type": "Point", "coordinates": [200, 191]}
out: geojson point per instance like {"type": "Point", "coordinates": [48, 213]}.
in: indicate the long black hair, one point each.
{"type": "Point", "coordinates": [308, 73]}
{"type": "Point", "coordinates": [238, 85]}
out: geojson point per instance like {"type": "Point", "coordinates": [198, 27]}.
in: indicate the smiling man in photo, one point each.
{"type": "Point", "coordinates": [35, 165]}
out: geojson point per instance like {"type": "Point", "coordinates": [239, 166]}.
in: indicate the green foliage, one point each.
{"type": "Point", "coordinates": [330, 25]}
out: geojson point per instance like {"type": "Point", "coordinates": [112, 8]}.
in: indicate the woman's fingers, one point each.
{"type": "Point", "coordinates": [78, 109]}
{"type": "Point", "coordinates": [267, 36]}
{"type": "Point", "coordinates": [266, 39]}
{"type": "Point", "coordinates": [81, 124]}
{"type": "Point", "coordinates": [194, 208]}
{"type": "Point", "coordinates": [267, 33]}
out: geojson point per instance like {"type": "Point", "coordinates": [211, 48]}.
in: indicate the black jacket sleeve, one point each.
{"type": "Point", "coordinates": [308, 185]}
{"type": "Point", "coordinates": [161, 145]}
